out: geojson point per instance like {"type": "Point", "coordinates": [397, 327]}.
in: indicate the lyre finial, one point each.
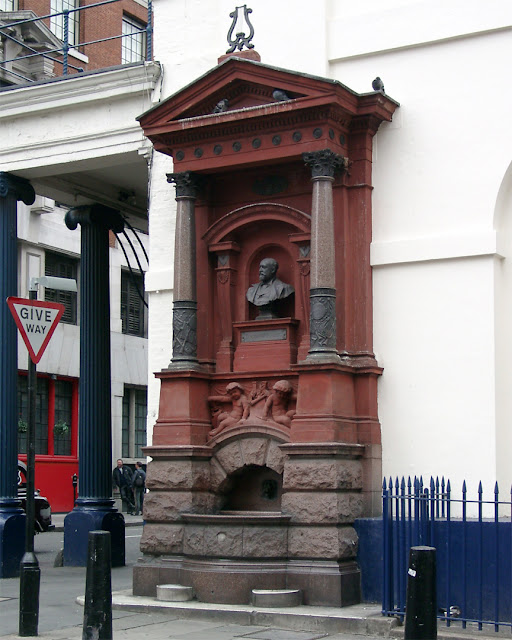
{"type": "Point", "coordinates": [240, 38]}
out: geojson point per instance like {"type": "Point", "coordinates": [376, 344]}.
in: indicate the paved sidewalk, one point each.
{"type": "Point", "coordinates": [129, 521]}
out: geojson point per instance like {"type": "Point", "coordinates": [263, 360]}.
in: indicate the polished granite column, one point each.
{"type": "Point", "coordinates": [322, 293]}
{"type": "Point", "coordinates": [184, 317]}
{"type": "Point", "coordinates": [12, 516]}
{"type": "Point", "coordinates": [94, 508]}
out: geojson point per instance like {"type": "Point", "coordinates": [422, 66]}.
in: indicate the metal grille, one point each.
{"type": "Point", "coordinates": [473, 541]}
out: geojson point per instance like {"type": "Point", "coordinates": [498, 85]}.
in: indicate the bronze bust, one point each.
{"type": "Point", "coordinates": [268, 290]}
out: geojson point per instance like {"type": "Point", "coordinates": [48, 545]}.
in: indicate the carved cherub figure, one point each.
{"type": "Point", "coordinates": [276, 405]}
{"type": "Point", "coordinates": [259, 392]}
{"type": "Point", "coordinates": [240, 407]}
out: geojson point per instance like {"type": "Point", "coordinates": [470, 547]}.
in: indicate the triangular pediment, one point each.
{"type": "Point", "coordinates": [243, 84]}
{"type": "Point", "coordinates": [243, 105]}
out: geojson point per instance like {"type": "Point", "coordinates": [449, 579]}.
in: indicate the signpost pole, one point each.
{"type": "Point", "coordinates": [30, 573]}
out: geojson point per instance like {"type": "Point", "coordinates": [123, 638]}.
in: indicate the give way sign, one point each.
{"type": "Point", "coordinates": [36, 320]}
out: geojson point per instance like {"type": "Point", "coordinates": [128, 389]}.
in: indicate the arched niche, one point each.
{"type": "Point", "coordinates": [237, 243]}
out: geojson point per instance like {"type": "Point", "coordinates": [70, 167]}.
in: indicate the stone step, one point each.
{"type": "Point", "coordinates": [174, 593]}
{"type": "Point", "coordinates": [276, 597]}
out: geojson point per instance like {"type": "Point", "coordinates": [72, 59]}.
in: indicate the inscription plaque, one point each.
{"type": "Point", "coordinates": [263, 336]}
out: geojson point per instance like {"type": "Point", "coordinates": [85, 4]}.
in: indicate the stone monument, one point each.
{"type": "Point", "coordinates": [267, 443]}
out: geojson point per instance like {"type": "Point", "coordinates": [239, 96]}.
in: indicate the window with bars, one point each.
{"type": "Point", "coordinates": [7, 5]}
{"type": "Point", "coordinates": [133, 41]}
{"type": "Point", "coordinates": [57, 21]}
{"type": "Point", "coordinates": [62, 418]}
{"type": "Point", "coordinates": [135, 407]}
{"type": "Point", "coordinates": [132, 304]}
{"type": "Point", "coordinates": [54, 415]}
{"type": "Point", "coordinates": [42, 395]}
{"type": "Point", "coordinates": [62, 266]}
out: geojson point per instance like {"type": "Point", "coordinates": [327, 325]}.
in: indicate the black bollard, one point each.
{"type": "Point", "coordinates": [98, 588]}
{"type": "Point", "coordinates": [30, 577]}
{"type": "Point", "coordinates": [421, 607]}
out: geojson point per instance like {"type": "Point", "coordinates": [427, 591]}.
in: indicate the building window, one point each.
{"type": "Point", "coordinates": [133, 41]}
{"type": "Point", "coordinates": [62, 418]}
{"type": "Point", "coordinates": [61, 266]}
{"type": "Point", "coordinates": [57, 21]}
{"type": "Point", "coordinates": [55, 418]}
{"type": "Point", "coordinates": [7, 5]}
{"type": "Point", "coordinates": [135, 408]}
{"type": "Point", "coordinates": [132, 304]}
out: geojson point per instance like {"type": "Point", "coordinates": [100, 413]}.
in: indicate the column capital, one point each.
{"type": "Point", "coordinates": [324, 163]}
{"type": "Point", "coordinates": [94, 214]}
{"type": "Point", "coordinates": [187, 184]}
{"type": "Point", "coordinates": [19, 187]}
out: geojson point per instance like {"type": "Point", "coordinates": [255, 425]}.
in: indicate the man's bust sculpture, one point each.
{"type": "Point", "coordinates": [268, 290]}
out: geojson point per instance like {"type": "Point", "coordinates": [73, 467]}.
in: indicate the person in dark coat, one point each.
{"type": "Point", "coordinates": [139, 487]}
{"type": "Point", "coordinates": [122, 477]}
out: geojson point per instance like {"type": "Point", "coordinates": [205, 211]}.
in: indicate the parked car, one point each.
{"type": "Point", "coordinates": [42, 508]}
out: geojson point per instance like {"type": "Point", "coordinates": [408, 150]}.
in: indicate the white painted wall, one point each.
{"type": "Point", "coordinates": [441, 205]}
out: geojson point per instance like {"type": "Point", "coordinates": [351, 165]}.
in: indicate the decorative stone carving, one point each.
{"type": "Point", "coordinates": [239, 412]}
{"type": "Point", "coordinates": [324, 163]}
{"type": "Point", "coordinates": [323, 319]}
{"type": "Point", "coordinates": [277, 403]}
{"type": "Point", "coordinates": [187, 184]}
{"type": "Point", "coordinates": [184, 327]}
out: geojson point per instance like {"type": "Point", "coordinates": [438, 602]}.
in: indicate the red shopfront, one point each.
{"type": "Point", "coordinates": [56, 436]}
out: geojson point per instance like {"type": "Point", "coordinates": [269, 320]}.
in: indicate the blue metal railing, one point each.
{"type": "Point", "coordinates": [66, 45]}
{"type": "Point", "coordinates": [474, 566]}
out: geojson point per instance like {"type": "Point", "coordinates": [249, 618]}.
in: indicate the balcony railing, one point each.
{"type": "Point", "coordinates": [67, 49]}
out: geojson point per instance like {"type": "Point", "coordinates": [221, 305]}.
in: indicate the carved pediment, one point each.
{"type": "Point", "coordinates": [243, 105]}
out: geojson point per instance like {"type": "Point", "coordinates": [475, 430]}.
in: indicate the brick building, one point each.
{"type": "Point", "coordinates": [99, 34]}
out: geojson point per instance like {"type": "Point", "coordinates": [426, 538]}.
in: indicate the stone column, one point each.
{"type": "Point", "coordinates": [322, 294]}
{"type": "Point", "coordinates": [94, 509]}
{"type": "Point", "coordinates": [184, 317]}
{"type": "Point", "coordinates": [12, 517]}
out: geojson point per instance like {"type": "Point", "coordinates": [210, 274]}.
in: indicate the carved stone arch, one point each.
{"type": "Point", "coordinates": [240, 450]}
{"type": "Point", "coordinates": [255, 213]}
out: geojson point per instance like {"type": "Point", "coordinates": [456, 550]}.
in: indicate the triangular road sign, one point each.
{"type": "Point", "coordinates": [36, 320]}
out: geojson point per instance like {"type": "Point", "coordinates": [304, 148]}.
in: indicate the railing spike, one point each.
{"type": "Point", "coordinates": [384, 485]}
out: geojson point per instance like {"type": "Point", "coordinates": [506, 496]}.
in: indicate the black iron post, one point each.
{"type": "Point", "coordinates": [98, 588]}
{"type": "Point", "coordinates": [421, 604]}
{"type": "Point", "coordinates": [94, 508]}
{"type": "Point", "coordinates": [30, 573]}
{"type": "Point", "coordinates": [12, 517]}
{"type": "Point", "coordinates": [74, 482]}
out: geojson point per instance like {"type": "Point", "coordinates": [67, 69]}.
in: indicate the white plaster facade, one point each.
{"type": "Point", "coordinates": [441, 206]}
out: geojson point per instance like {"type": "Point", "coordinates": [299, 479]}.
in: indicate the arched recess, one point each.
{"type": "Point", "coordinates": [253, 462]}
{"type": "Point", "coordinates": [237, 242]}
{"type": "Point", "coordinates": [503, 329]}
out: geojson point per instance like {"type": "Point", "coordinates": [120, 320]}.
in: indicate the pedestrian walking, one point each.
{"type": "Point", "coordinates": [139, 487]}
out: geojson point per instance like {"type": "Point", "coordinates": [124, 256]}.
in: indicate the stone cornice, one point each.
{"type": "Point", "coordinates": [79, 89]}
